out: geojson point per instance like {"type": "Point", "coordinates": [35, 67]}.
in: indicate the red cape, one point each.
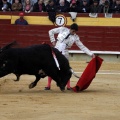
{"type": "Point", "coordinates": [88, 75]}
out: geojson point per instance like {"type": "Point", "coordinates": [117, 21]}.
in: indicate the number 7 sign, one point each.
{"type": "Point", "coordinates": [60, 20]}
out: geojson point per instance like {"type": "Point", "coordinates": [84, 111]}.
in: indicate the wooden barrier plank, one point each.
{"type": "Point", "coordinates": [5, 21]}
{"type": "Point", "coordinates": [95, 38]}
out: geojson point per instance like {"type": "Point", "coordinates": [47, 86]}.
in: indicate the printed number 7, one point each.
{"type": "Point", "coordinates": [60, 20]}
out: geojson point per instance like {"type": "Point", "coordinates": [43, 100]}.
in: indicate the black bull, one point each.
{"type": "Point", "coordinates": [35, 60]}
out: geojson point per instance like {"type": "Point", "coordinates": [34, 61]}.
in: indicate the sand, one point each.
{"type": "Point", "coordinates": [101, 101]}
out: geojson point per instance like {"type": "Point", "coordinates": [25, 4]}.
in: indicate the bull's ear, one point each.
{"type": "Point", "coordinates": [9, 45]}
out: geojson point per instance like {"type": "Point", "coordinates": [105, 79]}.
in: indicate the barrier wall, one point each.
{"type": "Point", "coordinates": [96, 38]}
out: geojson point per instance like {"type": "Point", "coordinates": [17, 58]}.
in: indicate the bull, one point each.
{"type": "Point", "coordinates": [35, 60]}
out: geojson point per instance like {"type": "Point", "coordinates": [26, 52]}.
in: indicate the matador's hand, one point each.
{"type": "Point", "coordinates": [54, 43]}
{"type": "Point", "coordinates": [93, 55]}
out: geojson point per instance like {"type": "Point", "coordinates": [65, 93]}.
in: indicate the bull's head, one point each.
{"type": "Point", "coordinates": [6, 65]}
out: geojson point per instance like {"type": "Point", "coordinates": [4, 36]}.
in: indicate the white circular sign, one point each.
{"type": "Point", "coordinates": [60, 20]}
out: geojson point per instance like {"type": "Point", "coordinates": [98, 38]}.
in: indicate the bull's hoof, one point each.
{"type": "Point", "coordinates": [32, 85]}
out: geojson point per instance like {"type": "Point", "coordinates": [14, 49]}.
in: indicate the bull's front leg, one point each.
{"type": "Point", "coordinates": [17, 77]}
{"type": "Point", "coordinates": [33, 84]}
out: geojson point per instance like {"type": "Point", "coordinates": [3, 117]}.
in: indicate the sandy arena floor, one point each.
{"type": "Point", "coordinates": [101, 101]}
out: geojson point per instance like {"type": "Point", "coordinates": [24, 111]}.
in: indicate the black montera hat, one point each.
{"type": "Point", "coordinates": [74, 26]}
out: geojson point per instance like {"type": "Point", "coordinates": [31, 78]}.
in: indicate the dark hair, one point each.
{"type": "Point", "coordinates": [95, 1]}
{"type": "Point", "coordinates": [50, 1]}
{"type": "Point", "coordinates": [74, 26]}
{"type": "Point", "coordinates": [106, 3]}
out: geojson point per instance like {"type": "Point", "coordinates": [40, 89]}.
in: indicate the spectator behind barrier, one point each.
{"type": "Point", "coordinates": [112, 2]}
{"type": "Point", "coordinates": [51, 6]}
{"type": "Point", "coordinates": [21, 20]}
{"type": "Point", "coordinates": [102, 2]}
{"type": "Point", "coordinates": [5, 6]}
{"type": "Point", "coordinates": [62, 6]}
{"type": "Point", "coordinates": [74, 7]}
{"type": "Point", "coordinates": [85, 7]}
{"type": "Point", "coordinates": [28, 6]}
{"type": "Point", "coordinates": [17, 6]}
{"type": "Point", "coordinates": [116, 7]}
{"type": "Point", "coordinates": [94, 8]}
{"type": "Point", "coordinates": [39, 6]}
{"type": "Point", "coordinates": [105, 8]}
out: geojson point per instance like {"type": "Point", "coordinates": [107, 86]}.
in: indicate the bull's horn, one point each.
{"type": "Point", "coordinates": [74, 73]}
{"type": "Point", "coordinates": [9, 45]}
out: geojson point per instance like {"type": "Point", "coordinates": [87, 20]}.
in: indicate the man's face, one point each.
{"type": "Point", "coordinates": [118, 2]}
{"type": "Point", "coordinates": [16, 1]}
{"type": "Point", "coordinates": [95, 3]}
{"type": "Point", "coordinates": [21, 17]}
{"type": "Point", "coordinates": [40, 1]}
{"type": "Point", "coordinates": [72, 32]}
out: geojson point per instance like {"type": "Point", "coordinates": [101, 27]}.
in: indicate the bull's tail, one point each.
{"type": "Point", "coordinates": [71, 70]}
